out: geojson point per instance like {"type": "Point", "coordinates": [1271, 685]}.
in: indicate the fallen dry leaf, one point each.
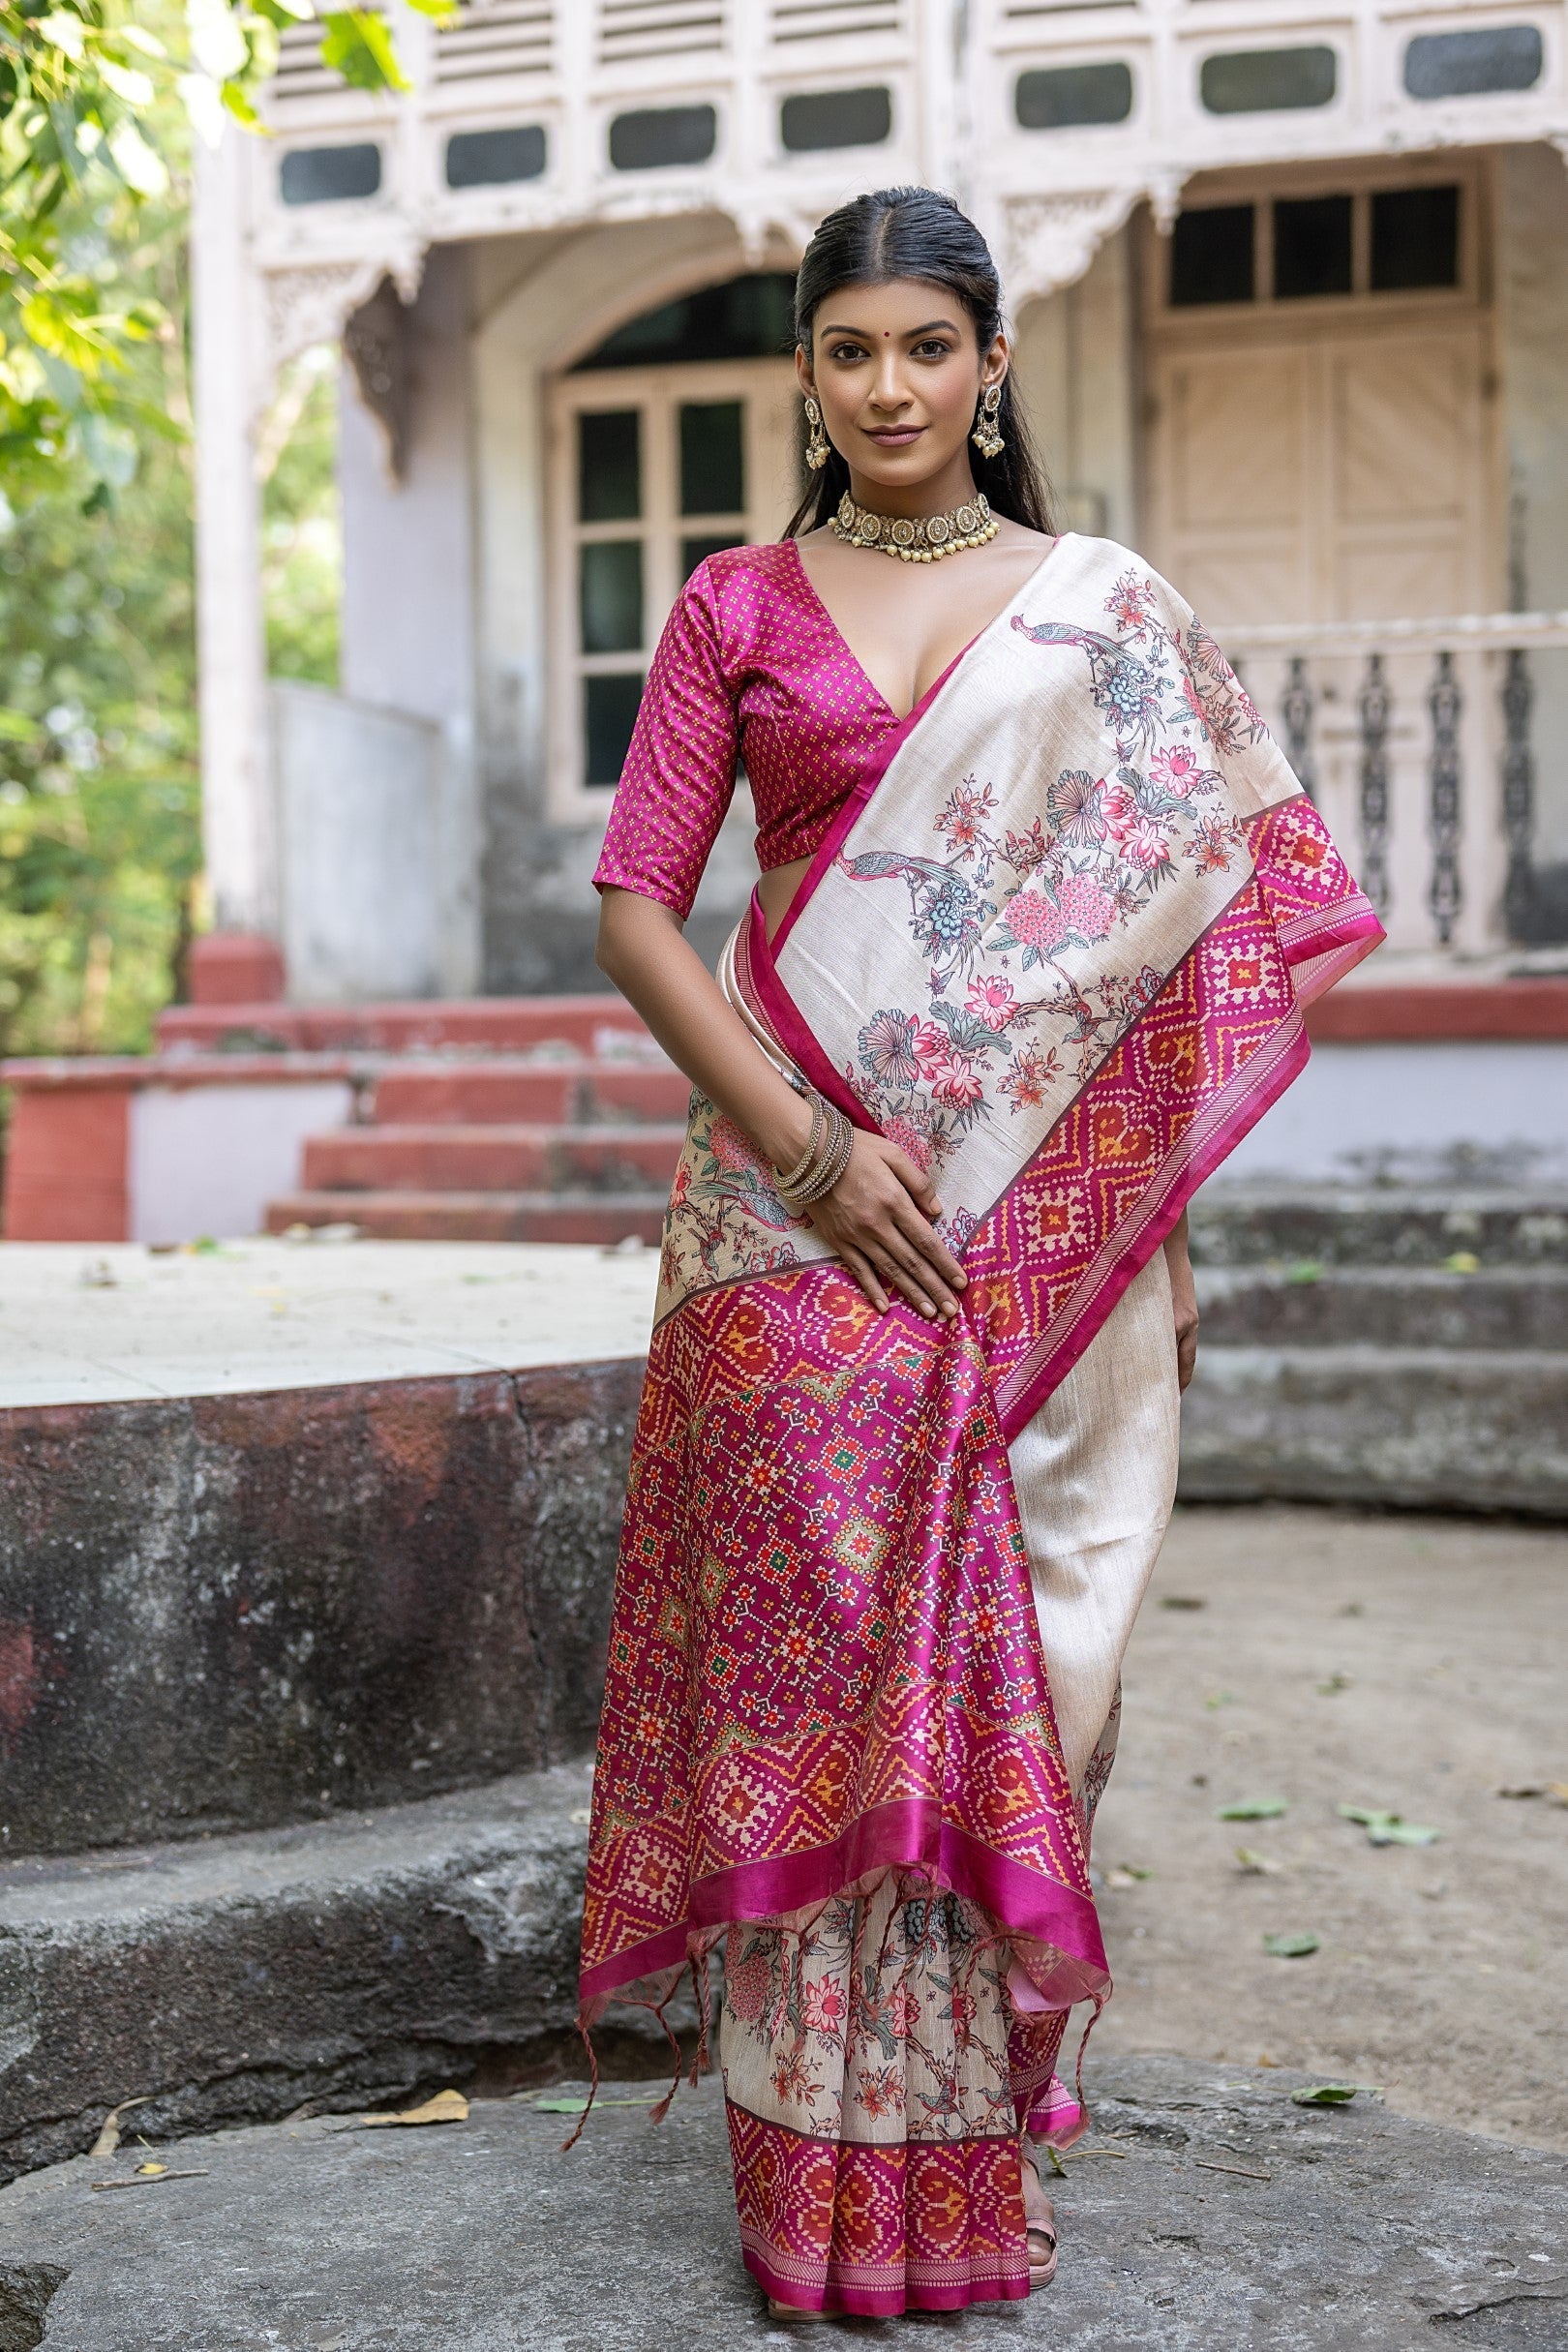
{"type": "Point", "coordinates": [1253, 1809]}
{"type": "Point", "coordinates": [446, 2107]}
{"type": "Point", "coordinates": [1299, 1946]}
{"type": "Point", "coordinates": [1180, 1600]}
{"type": "Point", "coordinates": [108, 2131]}
{"type": "Point", "coordinates": [1257, 1865]}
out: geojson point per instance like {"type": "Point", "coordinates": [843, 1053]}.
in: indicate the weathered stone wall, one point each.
{"type": "Point", "coordinates": [220, 1612]}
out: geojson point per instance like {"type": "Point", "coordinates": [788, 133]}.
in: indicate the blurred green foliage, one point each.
{"type": "Point", "coordinates": [100, 840]}
{"type": "Point", "coordinates": [100, 822]}
{"type": "Point", "coordinates": [301, 533]}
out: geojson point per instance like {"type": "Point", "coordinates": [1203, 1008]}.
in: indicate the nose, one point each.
{"type": "Point", "coordinates": [889, 390]}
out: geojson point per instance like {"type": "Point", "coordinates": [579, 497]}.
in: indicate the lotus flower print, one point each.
{"type": "Point", "coordinates": [1176, 770]}
{"type": "Point", "coordinates": [1144, 845]}
{"type": "Point", "coordinates": [991, 1000]}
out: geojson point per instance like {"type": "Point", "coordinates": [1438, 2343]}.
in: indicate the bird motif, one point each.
{"type": "Point", "coordinates": [1129, 691]}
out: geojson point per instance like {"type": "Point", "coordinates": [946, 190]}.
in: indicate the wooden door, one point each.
{"type": "Point", "coordinates": [1332, 475]}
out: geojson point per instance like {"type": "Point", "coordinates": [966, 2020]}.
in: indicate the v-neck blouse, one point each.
{"type": "Point", "coordinates": [750, 672]}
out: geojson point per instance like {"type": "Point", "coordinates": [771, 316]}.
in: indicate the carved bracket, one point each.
{"type": "Point", "coordinates": [1048, 241]}
{"type": "Point", "coordinates": [313, 302]}
{"type": "Point", "coordinates": [376, 346]}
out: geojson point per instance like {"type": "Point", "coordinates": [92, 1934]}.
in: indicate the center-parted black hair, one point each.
{"type": "Point", "coordinates": [914, 233]}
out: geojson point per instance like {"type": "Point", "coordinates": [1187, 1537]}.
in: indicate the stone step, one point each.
{"type": "Point", "coordinates": [1250, 1224]}
{"type": "Point", "coordinates": [1430, 1428]}
{"type": "Point", "coordinates": [1236, 2220]}
{"type": "Point", "coordinates": [352, 1963]}
{"type": "Point", "coordinates": [508, 1091]}
{"type": "Point", "coordinates": [606, 1218]}
{"type": "Point", "coordinates": [593, 1025]}
{"type": "Point", "coordinates": [1404, 1306]}
{"type": "Point", "coordinates": [493, 1159]}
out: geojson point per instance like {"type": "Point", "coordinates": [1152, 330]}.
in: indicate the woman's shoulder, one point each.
{"type": "Point", "coordinates": [743, 593]}
{"type": "Point", "coordinates": [763, 564]}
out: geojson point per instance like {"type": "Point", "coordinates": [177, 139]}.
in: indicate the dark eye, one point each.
{"type": "Point", "coordinates": [933, 346]}
{"type": "Point", "coordinates": [849, 352]}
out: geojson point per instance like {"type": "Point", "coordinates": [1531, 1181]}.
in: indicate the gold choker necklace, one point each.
{"type": "Point", "coordinates": [916, 538]}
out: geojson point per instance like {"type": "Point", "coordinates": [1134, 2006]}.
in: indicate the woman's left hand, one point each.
{"type": "Point", "coordinates": [1184, 1302]}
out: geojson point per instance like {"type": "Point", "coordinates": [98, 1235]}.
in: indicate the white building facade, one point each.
{"type": "Point", "coordinates": [1290, 284]}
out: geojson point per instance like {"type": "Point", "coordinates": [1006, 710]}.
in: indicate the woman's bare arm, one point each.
{"type": "Point", "coordinates": [879, 1216]}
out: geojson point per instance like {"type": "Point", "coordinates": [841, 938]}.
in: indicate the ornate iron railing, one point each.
{"type": "Point", "coordinates": [1416, 738]}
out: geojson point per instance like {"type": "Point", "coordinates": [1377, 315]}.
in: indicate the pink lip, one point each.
{"type": "Point", "coordinates": [895, 436]}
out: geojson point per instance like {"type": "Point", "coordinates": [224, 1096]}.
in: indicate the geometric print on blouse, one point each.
{"type": "Point", "coordinates": [750, 671]}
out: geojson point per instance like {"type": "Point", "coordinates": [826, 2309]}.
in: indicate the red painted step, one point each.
{"type": "Point", "coordinates": [596, 1026]}
{"type": "Point", "coordinates": [509, 1091]}
{"type": "Point", "coordinates": [512, 1216]}
{"type": "Point", "coordinates": [493, 1159]}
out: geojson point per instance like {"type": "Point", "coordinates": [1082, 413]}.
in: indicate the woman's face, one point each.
{"type": "Point", "coordinates": [898, 370]}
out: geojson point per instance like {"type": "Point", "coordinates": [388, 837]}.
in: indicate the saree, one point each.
{"type": "Point", "coordinates": [1056, 946]}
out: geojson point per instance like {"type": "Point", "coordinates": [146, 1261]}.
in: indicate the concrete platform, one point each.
{"type": "Point", "coordinates": [1206, 2211]}
{"type": "Point", "coordinates": [81, 1324]}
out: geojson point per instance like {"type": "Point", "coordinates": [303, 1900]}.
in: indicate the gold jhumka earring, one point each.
{"type": "Point", "coordinates": [985, 436]}
{"type": "Point", "coordinates": [818, 446]}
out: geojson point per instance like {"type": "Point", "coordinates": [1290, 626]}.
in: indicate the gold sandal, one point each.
{"type": "Point", "coordinates": [1040, 2234]}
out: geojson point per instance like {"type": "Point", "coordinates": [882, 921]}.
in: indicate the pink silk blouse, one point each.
{"type": "Point", "coordinates": [750, 670]}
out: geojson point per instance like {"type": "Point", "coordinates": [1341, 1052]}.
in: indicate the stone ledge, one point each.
{"type": "Point", "coordinates": [1233, 2220]}
{"type": "Point", "coordinates": [1420, 1427]}
{"type": "Point", "coordinates": [228, 1612]}
{"type": "Point", "coordinates": [345, 1963]}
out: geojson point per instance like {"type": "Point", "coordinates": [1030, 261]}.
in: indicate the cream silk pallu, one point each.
{"type": "Point", "coordinates": [1057, 949]}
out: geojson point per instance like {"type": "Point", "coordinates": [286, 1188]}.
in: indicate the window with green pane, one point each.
{"type": "Point", "coordinates": [697, 551]}
{"type": "Point", "coordinates": [608, 715]}
{"type": "Point", "coordinates": [713, 465]}
{"type": "Point", "coordinates": [609, 596]}
{"type": "Point", "coordinates": [608, 466]}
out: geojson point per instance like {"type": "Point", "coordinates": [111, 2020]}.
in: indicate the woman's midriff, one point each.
{"type": "Point", "coordinates": [776, 890]}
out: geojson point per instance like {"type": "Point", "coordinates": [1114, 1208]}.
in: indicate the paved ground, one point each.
{"type": "Point", "coordinates": [86, 1324]}
{"type": "Point", "coordinates": [1207, 2214]}
{"type": "Point", "coordinates": [1416, 1664]}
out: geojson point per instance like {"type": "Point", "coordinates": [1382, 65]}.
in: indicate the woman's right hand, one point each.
{"type": "Point", "coordinates": [879, 1218]}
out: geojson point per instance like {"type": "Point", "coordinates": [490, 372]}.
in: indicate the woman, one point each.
{"type": "Point", "coordinates": [1039, 906]}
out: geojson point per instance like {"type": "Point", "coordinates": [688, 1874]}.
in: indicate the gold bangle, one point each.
{"type": "Point", "coordinates": [801, 1194]}
{"type": "Point", "coordinates": [835, 1159]}
{"type": "Point", "coordinates": [818, 1113]}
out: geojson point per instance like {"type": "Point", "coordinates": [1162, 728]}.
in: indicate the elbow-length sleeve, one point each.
{"type": "Point", "coordinates": [678, 778]}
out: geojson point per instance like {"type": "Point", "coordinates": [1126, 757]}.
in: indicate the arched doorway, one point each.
{"type": "Point", "coordinates": [676, 437]}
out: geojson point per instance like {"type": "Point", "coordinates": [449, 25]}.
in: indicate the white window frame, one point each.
{"type": "Point", "coordinates": [767, 390]}
{"type": "Point", "coordinates": [1360, 178]}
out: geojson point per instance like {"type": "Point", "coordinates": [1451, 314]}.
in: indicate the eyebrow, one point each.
{"type": "Point", "coordinates": [863, 337]}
